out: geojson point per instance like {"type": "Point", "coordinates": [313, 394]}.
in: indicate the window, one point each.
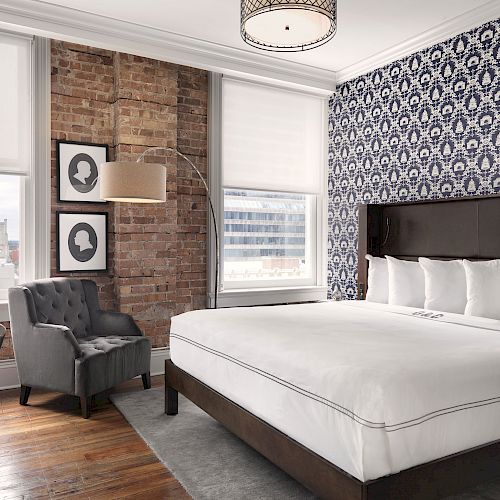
{"type": "Point", "coordinates": [268, 237]}
{"type": "Point", "coordinates": [272, 184]}
{"type": "Point", "coordinates": [24, 190]}
{"type": "Point", "coordinates": [10, 191]}
{"type": "Point", "coordinates": [15, 92]}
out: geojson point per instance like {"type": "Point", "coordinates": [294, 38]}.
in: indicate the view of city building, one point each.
{"type": "Point", "coordinates": [9, 260]}
{"type": "Point", "coordinates": [265, 236]}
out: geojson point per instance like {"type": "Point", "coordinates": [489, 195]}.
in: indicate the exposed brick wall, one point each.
{"type": "Point", "coordinates": [82, 96]}
{"type": "Point", "coordinates": [146, 235]}
{"type": "Point", "coordinates": [157, 253]}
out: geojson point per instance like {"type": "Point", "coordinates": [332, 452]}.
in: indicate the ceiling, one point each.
{"type": "Point", "coordinates": [365, 27]}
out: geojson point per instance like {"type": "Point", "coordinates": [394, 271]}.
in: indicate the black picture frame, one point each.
{"type": "Point", "coordinates": [63, 181]}
{"type": "Point", "coordinates": [63, 261]}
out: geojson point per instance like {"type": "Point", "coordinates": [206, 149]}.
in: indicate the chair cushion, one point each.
{"type": "Point", "coordinates": [61, 301]}
{"type": "Point", "coordinates": [108, 361]}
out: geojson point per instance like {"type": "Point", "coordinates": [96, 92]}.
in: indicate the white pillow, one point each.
{"type": "Point", "coordinates": [483, 288]}
{"type": "Point", "coordinates": [445, 285]}
{"type": "Point", "coordinates": [406, 283]}
{"type": "Point", "coordinates": [378, 280]}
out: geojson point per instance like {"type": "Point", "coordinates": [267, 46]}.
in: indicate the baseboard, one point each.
{"type": "Point", "coordinates": [8, 374]}
{"type": "Point", "coordinates": [158, 357]}
{"type": "Point", "coordinates": [10, 380]}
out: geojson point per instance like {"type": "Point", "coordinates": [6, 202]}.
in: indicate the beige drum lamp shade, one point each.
{"type": "Point", "coordinates": [133, 182]}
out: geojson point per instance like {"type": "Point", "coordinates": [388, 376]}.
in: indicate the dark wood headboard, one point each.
{"type": "Point", "coordinates": [456, 228]}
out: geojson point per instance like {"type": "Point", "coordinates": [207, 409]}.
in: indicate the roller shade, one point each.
{"type": "Point", "coordinates": [15, 95]}
{"type": "Point", "coordinates": [271, 138]}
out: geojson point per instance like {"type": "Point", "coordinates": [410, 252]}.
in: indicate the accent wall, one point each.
{"type": "Point", "coordinates": [423, 127]}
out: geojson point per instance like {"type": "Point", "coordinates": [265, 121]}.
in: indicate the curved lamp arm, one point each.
{"type": "Point", "coordinates": [210, 204]}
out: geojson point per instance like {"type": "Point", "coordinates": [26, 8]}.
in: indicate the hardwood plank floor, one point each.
{"type": "Point", "coordinates": [47, 450]}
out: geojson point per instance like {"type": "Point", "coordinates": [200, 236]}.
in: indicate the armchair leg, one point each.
{"type": "Point", "coordinates": [24, 395]}
{"type": "Point", "coordinates": [85, 403]}
{"type": "Point", "coordinates": [146, 380]}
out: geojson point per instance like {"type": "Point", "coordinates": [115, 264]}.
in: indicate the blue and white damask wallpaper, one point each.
{"type": "Point", "coordinates": [423, 127]}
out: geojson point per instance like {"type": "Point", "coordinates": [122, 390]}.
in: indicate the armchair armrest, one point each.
{"type": "Point", "coordinates": [46, 357]}
{"type": "Point", "coordinates": [56, 338]}
{"type": "Point", "coordinates": [114, 323]}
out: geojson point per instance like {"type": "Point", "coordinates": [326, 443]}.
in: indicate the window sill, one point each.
{"type": "Point", "coordinates": [4, 310]}
{"type": "Point", "coordinates": [269, 296]}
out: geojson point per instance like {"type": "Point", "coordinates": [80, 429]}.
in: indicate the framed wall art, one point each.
{"type": "Point", "coordinates": [82, 243]}
{"type": "Point", "coordinates": [78, 166]}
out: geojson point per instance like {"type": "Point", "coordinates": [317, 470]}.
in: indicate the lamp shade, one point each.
{"type": "Point", "coordinates": [133, 182]}
{"type": "Point", "coordinates": [288, 25]}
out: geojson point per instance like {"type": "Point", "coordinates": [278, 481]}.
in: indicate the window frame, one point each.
{"type": "Point", "coordinates": [35, 200]}
{"type": "Point", "coordinates": [276, 293]}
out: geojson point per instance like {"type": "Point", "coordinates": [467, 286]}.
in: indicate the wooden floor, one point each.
{"type": "Point", "coordinates": [48, 451]}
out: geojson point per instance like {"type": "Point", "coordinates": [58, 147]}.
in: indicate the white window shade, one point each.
{"type": "Point", "coordinates": [272, 139]}
{"type": "Point", "coordinates": [15, 106]}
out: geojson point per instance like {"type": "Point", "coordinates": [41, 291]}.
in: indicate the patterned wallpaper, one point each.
{"type": "Point", "coordinates": [423, 127]}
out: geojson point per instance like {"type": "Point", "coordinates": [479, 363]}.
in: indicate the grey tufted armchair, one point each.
{"type": "Point", "coordinates": [63, 341]}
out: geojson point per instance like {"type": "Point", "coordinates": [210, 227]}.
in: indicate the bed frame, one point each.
{"type": "Point", "coordinates": [456, 228]}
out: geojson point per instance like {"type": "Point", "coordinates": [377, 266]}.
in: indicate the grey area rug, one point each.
{"type": "Point", "coordinates": [210, 462]}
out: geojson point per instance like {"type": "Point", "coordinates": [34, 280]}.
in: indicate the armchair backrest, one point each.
{"type": "Point", "coordinates": [63, 301]}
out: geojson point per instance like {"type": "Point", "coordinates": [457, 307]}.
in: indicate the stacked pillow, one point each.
{"type": "Point", "coordinates": [456, 286]}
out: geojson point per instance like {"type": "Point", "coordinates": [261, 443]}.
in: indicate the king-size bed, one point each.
{"type": "Point", "coordinates": [360, 400]}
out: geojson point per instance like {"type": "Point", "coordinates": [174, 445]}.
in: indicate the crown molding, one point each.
{"type": "Point", "coordinates": [72, 25]}
{"type": "Point", "coordinates": [459, 24]}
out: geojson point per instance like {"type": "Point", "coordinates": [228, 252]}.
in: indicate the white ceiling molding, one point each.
{"type": "Point", "coordinates": [465, 22]}
{"type": "Point", "coordinates": [72, 25]}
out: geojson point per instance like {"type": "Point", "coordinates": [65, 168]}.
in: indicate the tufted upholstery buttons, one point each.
{"type": "Point", "coordinates": [62, 301]}
{"type": "Point", "coordinates": [94, 346]}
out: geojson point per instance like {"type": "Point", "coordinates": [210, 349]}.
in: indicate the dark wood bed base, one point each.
{"type": "Point", "coordinates": [432, 480]}
{"type": "Point", "coordinates": [457, 228]}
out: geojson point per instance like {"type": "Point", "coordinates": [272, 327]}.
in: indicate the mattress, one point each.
{"type": "Point", "coordinates": [372, 388]}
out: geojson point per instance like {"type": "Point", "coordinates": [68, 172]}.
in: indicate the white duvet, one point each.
{"type": "Point", "coordinates": [372, 388]}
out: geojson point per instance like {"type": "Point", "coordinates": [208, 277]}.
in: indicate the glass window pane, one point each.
{"type": "Point", "coordinates": [9, 232]}
{"type": "Point", "coordinates": [266, 236]}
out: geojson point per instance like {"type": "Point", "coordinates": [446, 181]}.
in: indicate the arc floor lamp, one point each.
{"type": "Point", "coordinates": [126, 181]}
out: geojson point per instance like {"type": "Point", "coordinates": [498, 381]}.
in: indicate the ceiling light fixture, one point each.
{"type": "Point", "coordinates": [288, 25]}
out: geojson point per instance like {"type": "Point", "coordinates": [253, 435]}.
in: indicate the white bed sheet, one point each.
{"type": "Point", "coordinates": [372, 388]}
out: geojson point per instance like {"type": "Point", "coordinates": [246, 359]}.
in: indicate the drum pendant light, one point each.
{"type": "Point", "coordinates": [288, 25]}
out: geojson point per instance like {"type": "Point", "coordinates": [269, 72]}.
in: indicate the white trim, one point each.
{"type": "Point", "coordinates": [277, 85]}
{"type": "Point", "coordinates": [8, 374]}
{"type": "Point", "coordinates": [36, 205]}
{"type": "Point", "coordinates": [214, 179]}
{"type": "Point", "coordinates": [459, 24]}
{"type": "Point", "coordinates": [10, 380]}
{"type": "Point", "coordinates": [158, 357]}
{"type": "Point", "coordinates": [4, 310]}
{"type": "Point", "coordinates": [41, 157]}
{"type": "Point", "coordinates": [322, 211]}
{"type": "Point", "coordinates": [268, 296]}
{"type": "Point", "coordinates": [69, 24]}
